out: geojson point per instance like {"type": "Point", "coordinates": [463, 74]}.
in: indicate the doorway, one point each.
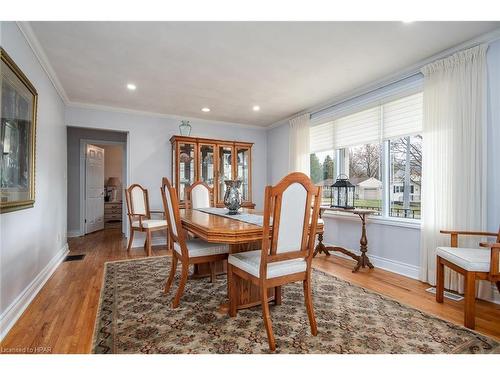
{"type": "Point", "coordinates": [103, 171]}
{"type": "Point", "coordinates": [106, 189]}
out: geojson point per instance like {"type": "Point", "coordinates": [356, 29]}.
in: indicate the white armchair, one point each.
{"type": "Point", "coordinates": [473, 263]}
{"type": "Point", "coordinates": [139, 216]}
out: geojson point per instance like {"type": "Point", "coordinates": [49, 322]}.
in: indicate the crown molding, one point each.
{"type": "Point", "coordinates": [37, 49]}
{"type": "Point", "coordinates": [488, 37]}
{"type": "Point", "coordinates": [98, 107]}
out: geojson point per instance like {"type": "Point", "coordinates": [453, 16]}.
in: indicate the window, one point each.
{"type": "Point", "coordinates": [364, 164]}
{"type": "Point", "coordinates": [406, 171]}
{"type": "Point", "coordinates": [380, 150]}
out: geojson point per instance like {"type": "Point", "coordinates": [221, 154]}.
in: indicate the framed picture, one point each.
{"type": "Point", "coordinates": [18, 106]}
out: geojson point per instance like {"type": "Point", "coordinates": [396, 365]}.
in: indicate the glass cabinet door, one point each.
{"type": "Point", "coordinates": [243, 171]}
{"type": "Point", "coordinates": [225, 161]}
{"type": "Point", "coordinates": [187, 167]}
{"type": "Point", "coordinates": [207, 164]}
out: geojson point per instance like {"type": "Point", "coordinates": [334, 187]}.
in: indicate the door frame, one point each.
{"type": "Point", "coordinates": [125, 179]}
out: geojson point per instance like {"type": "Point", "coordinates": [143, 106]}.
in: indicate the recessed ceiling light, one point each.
{"type": "Point", "coordinates": [205, 109]}
{"type": "Point", "coordinates": [256, 108]}
{"type": "Point", "coordinates": [131, 86]}
{"type": "Point", "coordinates": [407, 21]}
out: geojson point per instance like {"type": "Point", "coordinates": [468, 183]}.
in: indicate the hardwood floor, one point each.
{"type": "Point", "coordinates": [61, 317]}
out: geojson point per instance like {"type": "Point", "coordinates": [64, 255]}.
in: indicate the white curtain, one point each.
{"type": "Point", "coordinates": [454, 157]}
{"type": "Point", "coordinates": [299, 144]}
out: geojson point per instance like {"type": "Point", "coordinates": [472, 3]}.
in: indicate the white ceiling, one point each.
{"type": "Point", "coordinates": [285, 67]}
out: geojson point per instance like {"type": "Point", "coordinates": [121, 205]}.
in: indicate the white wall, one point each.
{"type": "Point", "coordinates": [149, 147]}
{"type": "Point", "coordinates": [278, 147]}
{"type": "Point", "coordinates": [394, 247]}
{"type": "Point", "coordinates": [33, 241]}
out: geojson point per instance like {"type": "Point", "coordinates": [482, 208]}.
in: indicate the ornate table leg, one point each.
{"type": "Point", "coordinates": [363, 260]}
{"type": "Point", "coordinates": [320, 247]}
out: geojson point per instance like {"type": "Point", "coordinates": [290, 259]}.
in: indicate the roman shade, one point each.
{"type": "Point", "coordinates": [321, 137]}
{"type": "Point", "coordinates": [394, 119]}
{"type": "Point", "coordinates": [402, 117]}
{"type": "Point", "coordinates": [358, 128]}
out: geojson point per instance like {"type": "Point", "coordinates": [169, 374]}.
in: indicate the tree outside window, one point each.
{"type": "Point", "coordinates": [322, 170]}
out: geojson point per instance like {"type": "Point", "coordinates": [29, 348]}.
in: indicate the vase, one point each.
{"type": "Point", "coordinates": [185, 128]}
{"type": "Point", "coordinates": [232, 196]}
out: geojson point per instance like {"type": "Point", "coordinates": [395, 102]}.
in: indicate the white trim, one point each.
{"type": "Point", "coordinates": [392, 221]}
{"type": "Point", "coordinates": [98, 107]}
{"type": "Point", "coordinates": [42, 58]}
{"type": "Point", "coordinates": [405, 269]}
{"type": "Point", "coordinates": [12, 313]}
{"type": "Point", "coordinates": [74, 233]}
{"type": "Point", "coordinates": [496, 294]}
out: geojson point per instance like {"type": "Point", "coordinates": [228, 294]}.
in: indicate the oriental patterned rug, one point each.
{"type": "Point", "coordinates": [134, 316]}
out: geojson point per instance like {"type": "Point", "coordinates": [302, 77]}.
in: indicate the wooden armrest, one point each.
{"type": "Point", "coordinates": [493, 245]}
{"type": "Point", "coordinates": [454, 235]}
{"type": "Point", "coordinates": [469, 233]}
{"type": "Point", "coordinates": [141, 216]}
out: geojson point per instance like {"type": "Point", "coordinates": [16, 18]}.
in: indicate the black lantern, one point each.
{"type": "Point", "coordinates": [342, 193]}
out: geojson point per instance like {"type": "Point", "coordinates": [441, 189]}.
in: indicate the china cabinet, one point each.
{"type": "Point", "coordinates": [211, 161]}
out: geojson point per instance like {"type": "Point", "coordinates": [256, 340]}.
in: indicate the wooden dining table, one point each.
{"type": "Point", "coordinates": [240, 236]}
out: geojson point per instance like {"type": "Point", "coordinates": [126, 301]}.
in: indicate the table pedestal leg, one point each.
{"type": "Point", "coordinates": [248, 294]}
{"type": "Point", "coordinates": [203, 269]}
{"type": "Point", "coordinates": [320, 247]}
{"type": "Point", "coordinates": [363, 260]}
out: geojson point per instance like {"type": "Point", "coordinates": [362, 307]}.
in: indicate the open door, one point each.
{"type": "Point", "coordinates": [94, 189]}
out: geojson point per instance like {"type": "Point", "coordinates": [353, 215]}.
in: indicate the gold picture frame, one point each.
{"type": "Point", "coordinates": [18, 115]}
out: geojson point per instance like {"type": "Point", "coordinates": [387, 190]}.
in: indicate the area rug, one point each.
{"type": "Point", "coordinates": [134, 316]}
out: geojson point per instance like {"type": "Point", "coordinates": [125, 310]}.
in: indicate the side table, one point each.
{"type": "Point", "coordinates": [362, 259]}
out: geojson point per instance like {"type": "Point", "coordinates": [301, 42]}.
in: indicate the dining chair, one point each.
{"type": "Point", "coordinates": [187, 251]}
{"type": "Point", "coordinates": [287, 247]}
{"type": "Point", "coordinates": [139, 216]}
{"type": "Point", "coordinates": [199, 195]}
{"type": "Point", "coordinates": [473, 263]}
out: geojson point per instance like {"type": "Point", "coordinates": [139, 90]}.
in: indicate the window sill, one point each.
{"type": "Point", "coordinates": [396, 222]}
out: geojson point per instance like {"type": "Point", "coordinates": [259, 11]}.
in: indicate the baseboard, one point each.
{"type": "Point", "coordinates": [74, 233]}
{"type": "Point", "coordinates": [405, 269]}
{"type": "Point", "coordinates": [10, 316]}
{"type": "Point", "coordinates": [496, 295]}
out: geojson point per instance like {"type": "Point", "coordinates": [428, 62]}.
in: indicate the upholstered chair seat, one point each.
{"type": "Point", "coordinates": [472, 263]}
{"type": "Point", "coordinates": [249, 261]}
{"type": "Point", "coordinates": [477, 260]}
{"type": "Point", "coordinates": [149, 223]}
{"type": "Point", "coordinates": [200, 248]}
